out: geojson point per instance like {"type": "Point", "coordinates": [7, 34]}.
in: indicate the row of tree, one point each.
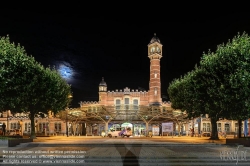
{"type": "Point", "coordinates": [219, 86]}
{"type": "Point", "coordinates": [27, 86]}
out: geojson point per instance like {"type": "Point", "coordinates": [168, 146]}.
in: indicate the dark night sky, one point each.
{"type": "Point", "coordinates": [117, 49]}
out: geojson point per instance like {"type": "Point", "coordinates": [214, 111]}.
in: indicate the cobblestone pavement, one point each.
{"type": "Point", "coordinates": [50, 151]}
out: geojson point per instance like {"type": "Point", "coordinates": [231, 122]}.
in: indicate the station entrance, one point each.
{"type": "Point", "coordinates": [141, 120]}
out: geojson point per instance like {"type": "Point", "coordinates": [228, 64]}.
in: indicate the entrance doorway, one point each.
{"type": "Point", "coordinates": [139, 129]}
{"type": "Point", "coordinates": [127, 125]}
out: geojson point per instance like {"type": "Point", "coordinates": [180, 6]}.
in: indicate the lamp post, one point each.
{"type": "Point", "coordinates": [67, 127]}
{"type": "Point", "coordinates": [8, 128]}
{"type": "Point", "coordinates": [21, 127]}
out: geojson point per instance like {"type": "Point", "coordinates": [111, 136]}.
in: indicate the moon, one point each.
{"type": "Point", "coordinates": [65, 70]}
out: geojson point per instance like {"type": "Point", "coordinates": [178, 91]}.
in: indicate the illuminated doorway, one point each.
{"type": "Point", "coordinates": [127, 125]}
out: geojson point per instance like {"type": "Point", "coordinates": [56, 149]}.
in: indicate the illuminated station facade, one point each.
{"type": "Point", "coordinates": [143, 111]}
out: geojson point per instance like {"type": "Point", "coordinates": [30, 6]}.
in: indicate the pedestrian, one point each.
{"type": "Point", "coordinates": [4, 128]}
{"type": "Point", "coordinates": [192, 132]}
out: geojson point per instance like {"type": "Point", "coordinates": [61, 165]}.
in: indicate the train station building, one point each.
{"type": "Point", "coordinates": [142, 111]}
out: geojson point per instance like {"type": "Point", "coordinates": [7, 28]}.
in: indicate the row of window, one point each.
{"type": "Point", "coordinates": [207, 127]}
{"type": "Point", "coordinates": [16, 125]}
{"type": "Point", "coordinates": [135, 104]}
{"type": "Point", "coordinates": [45, 126]}
{"type": "Point", "coordinates": [41, 127]}
{"type": "Point", "coordinates": [126, 101]}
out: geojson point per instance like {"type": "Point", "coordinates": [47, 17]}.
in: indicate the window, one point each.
{"type": "Point", "coordinates": [158, 49]}
{"type": "Point", "coordinates": [155, 91]}
{"type": "Point", "coordinates": [57, 127]}
{"type": "Point", "coordinates": [27, 127]}
{"type": "Point", "coordinates": [206, 127]}
{"type": "Point", "coordinates": [14, 126]}
{"type": "Point", "coordinates": [43, 126]}
{"type": "Point", "coordinates": [152, 49]}
{"type": "Point", "coordinates": [155, 74]}
{"type": "Point", "coordinates": [126, 103]}
{"type": "Point", "coordinates": [135, 104]}
{"type": "Point", "coordinates": [118, 104]}
{"type": "Point", "coordinates": [227, 128]}
{"type": "Point", "coordinates": [219, 126]}
{"type": "Point", "coordinates": [102, 88]}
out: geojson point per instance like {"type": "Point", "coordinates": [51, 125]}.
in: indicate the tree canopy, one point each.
{"type": "Point", "coordinates": [27, 86]}
{"type": "Point", "coordinates": [219, 86]}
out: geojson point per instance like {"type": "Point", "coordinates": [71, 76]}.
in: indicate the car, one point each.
{"type": "Point", "coordinates": [114, 132]}
{"type": "Point", "coordinates": [120, 132]}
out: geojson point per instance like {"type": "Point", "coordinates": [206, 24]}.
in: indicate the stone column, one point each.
{"type": "Point", "coordinates": [106, 127]}
{"type": "Point", "coordinates": [146, 129]}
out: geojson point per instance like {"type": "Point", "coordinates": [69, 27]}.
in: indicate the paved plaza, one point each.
{"type": "Point", "coordinates": [133, 151]}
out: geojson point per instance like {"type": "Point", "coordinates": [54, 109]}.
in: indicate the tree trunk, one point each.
{"type": "Point", "coordinates": [32, 119]}
{"type": "Point", "coordinates": [240, 125]}
{"type": "Point", "coordinates": [214, 134]}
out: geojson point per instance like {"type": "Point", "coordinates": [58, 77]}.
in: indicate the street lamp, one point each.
{"type": "Point", "coordinates": [8, 123]}
{"type": "Point", "coordinates": [67, 128]}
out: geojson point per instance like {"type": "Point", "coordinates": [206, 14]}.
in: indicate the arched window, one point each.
{"type": "Point", "coordinates": [155, 91]}
{"type": "Point", "coordinates": [152, 49]}
{"type": "Point", "coordinates": [155, 74]}
{"type": "Point", "coordinates": [158, 50]}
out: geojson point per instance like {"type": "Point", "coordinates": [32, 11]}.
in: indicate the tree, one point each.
{"type": "Point", "coordinates": [52, 94]}
{"type": "Point", "coordinates": [221, 84]}
{"type": "Point", "coordinates": [26, 86]}
{"type": "Point", "coordinates": [189, 93]}
{"type": "Point", "coordinates": [230, 67]}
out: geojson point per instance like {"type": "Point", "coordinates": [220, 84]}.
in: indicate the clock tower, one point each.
{"type": "Point", "coordinates": [155, 54]}
{"type": "Point", "coordinates": [102, 92]}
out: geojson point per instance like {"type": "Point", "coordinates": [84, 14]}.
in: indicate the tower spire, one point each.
{"type": "Point", "coordinates": [155, 54]}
